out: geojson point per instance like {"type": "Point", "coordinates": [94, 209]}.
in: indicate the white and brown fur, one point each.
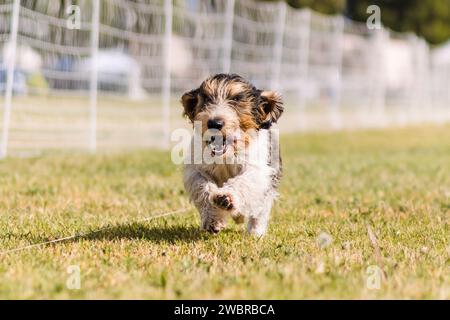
{"type": "Point", "coordinates": [244, 190]}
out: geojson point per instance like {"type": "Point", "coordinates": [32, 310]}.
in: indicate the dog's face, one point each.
{"type": "Point", "coordinates": [228, 108]}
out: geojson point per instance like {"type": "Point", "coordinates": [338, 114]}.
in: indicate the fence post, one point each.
{"type": "Point", "coordinates": [166, 83]}
{"type": "Point", "coordinates": [228, 36]}
{"type": "Point", "coordinates": [414, 88]}
{"type": "Point", "coordinates": [304, 60]}
{"type": "Point", "coordinates": [10, 79]}
{"type": "Point", "coordinates": [93, 90]}
{"type": "Point", "coordinates": [278, 50]}
{"type": "Point", "coordinates": [378, 73]}
{"type": "Point", "coordinates": [336, 120]}
{"type": "Point", "coordinates": [426, 82]}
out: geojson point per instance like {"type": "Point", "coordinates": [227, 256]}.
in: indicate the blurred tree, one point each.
{"type": "Point", "coordinates": [430, 18]}
{"type": "Point", "coordinates": [323, 6]}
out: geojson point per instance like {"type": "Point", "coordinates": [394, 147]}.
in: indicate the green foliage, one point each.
{"type": "Point", "coordinates": [323, 6]}
{"type": "Point", "coordinates": [429, 19]}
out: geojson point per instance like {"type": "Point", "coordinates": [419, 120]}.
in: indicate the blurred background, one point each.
{"type": "Point", "coordinates": [107, 75]}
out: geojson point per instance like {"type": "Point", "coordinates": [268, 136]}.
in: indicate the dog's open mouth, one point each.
{"type": "Point", "coordinates": [219, 145]}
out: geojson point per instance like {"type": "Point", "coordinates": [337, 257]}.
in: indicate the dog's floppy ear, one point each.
{"type": "Point", "coordinates": [189, 101]}
{"type": "Point", "coordinates": [270, 108]}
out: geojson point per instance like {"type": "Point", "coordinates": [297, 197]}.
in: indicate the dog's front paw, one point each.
{"type": "Point", "coordinates": [215, 228]}
{"type": "Point", "coordinates": [223, 201]}
{"type": "Point", "coordinates": [213, 225]}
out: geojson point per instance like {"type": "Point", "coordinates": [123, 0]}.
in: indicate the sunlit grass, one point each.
{"type": "Point", "coordinates": [395, 181]}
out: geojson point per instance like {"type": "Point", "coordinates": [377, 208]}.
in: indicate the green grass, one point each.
{"type": "Point", "coordinates": [396, 181]}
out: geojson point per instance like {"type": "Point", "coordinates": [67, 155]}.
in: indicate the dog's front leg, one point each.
{"type": "Point", "coordinates": [257, 225]}
{"type": "Point", "coordinates": [200, 190]}
{"type": "Point", "coordinates": [212, 219]}
{"type": "Point", "coordinates": [248, 195]}
{"type": "Point", "coordinates": [225, 200]}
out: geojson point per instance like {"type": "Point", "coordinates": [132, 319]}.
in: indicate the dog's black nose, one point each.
{"type": "Point", "coordinates": [215, 124]}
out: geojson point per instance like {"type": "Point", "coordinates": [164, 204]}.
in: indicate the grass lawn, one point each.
{"type": "Point", "coordinates": [395, 181]}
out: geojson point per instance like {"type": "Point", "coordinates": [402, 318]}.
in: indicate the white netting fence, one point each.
{"type": "Point", "coordinates": [114, 79]}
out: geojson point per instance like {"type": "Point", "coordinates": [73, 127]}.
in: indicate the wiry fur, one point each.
{"type": "Point", "coordinates": [242, 189]}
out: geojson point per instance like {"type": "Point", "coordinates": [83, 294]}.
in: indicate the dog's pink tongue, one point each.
{"type": "Point", "coordinates": [218, 152]}
{"type": "Point", "coordinates": [217, 148]}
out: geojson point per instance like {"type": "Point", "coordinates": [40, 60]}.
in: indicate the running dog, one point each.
{"type": "Point", "coordinates": [240, 165]}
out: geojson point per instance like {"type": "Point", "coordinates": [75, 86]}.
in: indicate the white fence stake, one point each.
{"type": "Point", "coordinates": [304, 58]}
{"type": "Point", "coordinates": [10, 79]}
{"type": "Point", "coordinates": [336, 121]}
{"type": "Point", "coordinates": [414, 89]}
{"type": "Point", "coordinates": [93, 90]}
{"type": "Point", "coordinates": [427, 101]}
{"type": "Point", "coordinates": [278, 50]}
{"type": "Point", "coordinates": [228, 36]}
{"type": "Point", "coordinates": [378, 73]}
{"type": "Point", "coordinates": [166, 83]}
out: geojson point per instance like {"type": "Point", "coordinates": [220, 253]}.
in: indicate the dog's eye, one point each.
{"type": "Point", "coordinates": [237, 98]}
{"type": "Point", "coordinates": [206, 99]}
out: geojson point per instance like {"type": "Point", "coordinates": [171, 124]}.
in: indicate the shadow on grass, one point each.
{"type": "Point", "coordinates": [141, 231]}
{"type": "Point", "coordinates": [136, 231]}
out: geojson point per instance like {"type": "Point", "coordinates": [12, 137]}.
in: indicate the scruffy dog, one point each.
{"type": "Point", "coordinates": [239, 167]}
